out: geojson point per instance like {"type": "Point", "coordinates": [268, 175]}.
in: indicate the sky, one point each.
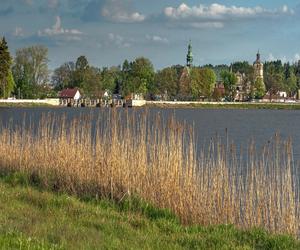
{"type": "Point", "coordinates": [109, 31]}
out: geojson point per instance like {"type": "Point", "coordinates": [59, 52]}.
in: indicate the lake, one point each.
{"type": "Point", "coordinates": [242, 126]}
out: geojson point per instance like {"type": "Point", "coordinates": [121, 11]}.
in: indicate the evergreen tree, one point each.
{"type": "Point", "coordinates": [6, 79]}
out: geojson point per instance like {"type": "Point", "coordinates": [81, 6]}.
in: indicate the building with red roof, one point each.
{"type": "Point", "coordinates": [70, 94]}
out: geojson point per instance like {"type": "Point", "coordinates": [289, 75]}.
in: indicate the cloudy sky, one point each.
{"type": "Point", "coordinates": [109, 31]}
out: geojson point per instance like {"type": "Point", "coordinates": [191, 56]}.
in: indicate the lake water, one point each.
{"type": "Point", "coordinates": [242, 125]}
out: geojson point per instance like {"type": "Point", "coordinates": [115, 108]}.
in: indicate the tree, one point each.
{"type": "Point", "coordinates": [81, 71]}
{"type": "Point", "coordinates": [6, 79]}
{"type": "Point", "coordinates": [202, 82]}
{"type": "Point", "coordinates": [273, 79]}
{"type": "Point", "coordinates": [125, 87]}
{"type": "Point", "coordinates": [92, 86]}
{"type": "Point", "coordinates": [259, 88]}
{"type": "Point", "coordinates": [229, 80]}
{"type": "Point", "coordinates": [142, 75]}
{"type": "Point", "coordinates": [297, 72]}
{"type": "Point", "coordinates": [63, 76]}
{"type": "Point", "coordinates": [242, 67]}
{"type": "Point", "coordinates": [109, 78]}
{"type": "Point", "coordinates": [290, 81]}
{"type": "Point", "coordinates": [166, 82]}
{"type": "Point", "coordinates": [185, 92]}
{"type": "Point", "coordinates": [30, 70]}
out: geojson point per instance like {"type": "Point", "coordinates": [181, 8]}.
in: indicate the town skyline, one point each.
{"type": "Point", "coordinates": [108, 32]}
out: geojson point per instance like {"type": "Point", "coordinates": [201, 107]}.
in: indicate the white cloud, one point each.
{"type": "Point", "coordinates": [201, 25]}
{"type": "Point", "coordinates": [57, 29]}
{"type": "Point", "coordinates": [284, 59]}
{"type": "Point", "coordinates": [271, 57]}
{"type": "Point", "coordinates": [18, 32]}
{"type": "Point", "coordinates": [297, 57]}
{"type": "Point", "coordinates": [219, 11]}
{"type": "Point", "coordinates": [120, 11]}
{"type": "Point", "coordinates": [118, 41]}
{"type": "Point", "coordinates": [157, 39]}
{"type": "Point", "coordinates": [122, 17]}
{"type": "Point", "coordinates": [214, 15]}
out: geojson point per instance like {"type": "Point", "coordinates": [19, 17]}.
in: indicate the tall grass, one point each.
{"type": "Point", "coordinates": [126, 154]}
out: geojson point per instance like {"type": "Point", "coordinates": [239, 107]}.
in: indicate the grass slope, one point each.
{"type": "Point", "coordinates": [35, 219]}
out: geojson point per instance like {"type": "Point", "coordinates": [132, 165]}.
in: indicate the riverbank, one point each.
{"type": "Point", "coordinates": [29, 103]}
{"type": "Point", "coordinates": [157, 104]}
{"type": "Point", "coordinates": [25, 105]}
{"type": "Point", "coordinates": [66, 156]}
{"type": "Point", "coordinates": [34, 218]}
{"type": "Point", "coordinates": [224, 105]}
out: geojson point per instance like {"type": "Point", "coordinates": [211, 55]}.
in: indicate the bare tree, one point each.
{"type": "Point", "coordinates": [33, 61]}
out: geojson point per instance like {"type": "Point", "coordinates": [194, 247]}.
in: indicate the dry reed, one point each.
{"type": "Point", "coordinates": [124, 154]}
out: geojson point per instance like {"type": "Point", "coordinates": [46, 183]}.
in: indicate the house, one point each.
{"type": "Point", "coordinates": [69, 96]}
{"type": "Point", "coordinates": [135, 100]}
{"type": "Point", "coordinates": [243, 87]}
{"type": "Point", "coordinates": [219, 91]}
{"type": "Point", "coordinates": [280, 96]}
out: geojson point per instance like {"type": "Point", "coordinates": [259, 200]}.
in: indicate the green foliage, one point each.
{"type": "Point", "coordinates": [242, 67]}
{"type": "Point", "coordinates": [185, 91]}
{"type": "Point", "coordinates": [81, 71]}
{"type": "Point", "coordinates": [229, 80]}
{"type": "Point", "coordinates": [63, 76]}
{"type": "Point", "coordinates": [259, 88]}
{"type": "Point", "coordinates": [290, 80]}
{"type": "Point", "coordinates": [6, 79]}
{"type": "Point", "coordinates": [137, 77]}
{"type": "Point", "coordinates": [110, 78]}
{"type": "Point", "coordinates": [274, 77]}
{"type": "Point", "coordinates": [30, 71]}
{"type": "Point", "coordinates": [202, 82]}
{"type": "Point", "coordinates": [166, 82]}
{"type": "Point", "coordinates": [142, 75]}
{"type": "Point", "coordinates": [10, 85]}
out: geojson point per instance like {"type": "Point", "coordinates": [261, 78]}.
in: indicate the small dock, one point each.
{"type": "Point", "coordinates": [91, 103]}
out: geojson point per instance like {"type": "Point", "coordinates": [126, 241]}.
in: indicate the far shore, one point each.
{"type": "Point", "coordinates": [25, 105]}
{"type": "Point", "coordinates": [54, 103]}
{"type": "Point", "coordinates": [225, 105]}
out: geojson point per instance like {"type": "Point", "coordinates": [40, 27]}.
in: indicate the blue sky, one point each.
{"type": "Point", "coordinates": [109, 31]}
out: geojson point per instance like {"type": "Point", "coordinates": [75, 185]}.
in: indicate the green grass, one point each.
{"type": "Point", "coordinates": [32, 218]}
{"type": "Point", "coordinates": [279, 106]}
{"type": "Point", "coordinates": [24, 105]}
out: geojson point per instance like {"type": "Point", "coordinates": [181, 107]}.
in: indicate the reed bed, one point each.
{"type": "Point", "coordinates": [124, 154]}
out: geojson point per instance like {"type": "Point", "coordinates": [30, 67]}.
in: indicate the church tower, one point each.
{"type": "Point", "coordinates": [189, 56]}
{"type": "Point", "coordinates": [258, 68]}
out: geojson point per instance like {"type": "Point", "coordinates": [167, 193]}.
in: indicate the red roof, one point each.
{"type": "Point", "coordinates": [68, 93]}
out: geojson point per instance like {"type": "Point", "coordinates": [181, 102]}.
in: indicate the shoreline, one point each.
{"type": "Point", "coordinates": [59, 211]}
{"type": "Point", "coordinates": [224, 105]}
{"type": "Point", "coordinates": [168, 105]}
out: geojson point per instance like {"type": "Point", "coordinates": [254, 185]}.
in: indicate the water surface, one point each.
{"type": "Point", "coordinates": [240, 126]}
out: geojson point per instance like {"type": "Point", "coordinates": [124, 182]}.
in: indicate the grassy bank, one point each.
{"type": "Point", "coordinates": [276, 106]}
{"type": "Point", "coordinates": [24, 105]}
{"type": "Point", "coordinates": [128, 154]}
{"type": "Point", "coordinates": [32, 218]}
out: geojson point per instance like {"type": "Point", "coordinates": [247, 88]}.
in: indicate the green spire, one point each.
{"type": "Point", "coordinates": [189, 57]}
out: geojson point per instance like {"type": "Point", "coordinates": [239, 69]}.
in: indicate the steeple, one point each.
{"type": "Point", "coordinates": [258, 57]}
{"type": "Point", "coordinates": [189, 57]}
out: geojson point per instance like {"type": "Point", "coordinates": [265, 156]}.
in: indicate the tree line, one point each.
{"type": "Point", "coordinates": [27, 76]}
